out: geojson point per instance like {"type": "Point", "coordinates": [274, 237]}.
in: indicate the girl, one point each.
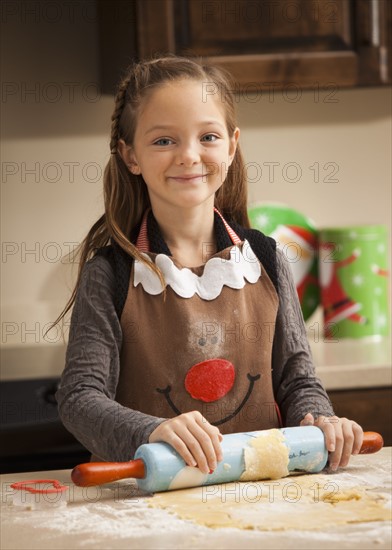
{"type": "Point", "coordinates": [186, 323]}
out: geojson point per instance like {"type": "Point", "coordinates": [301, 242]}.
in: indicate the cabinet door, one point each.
{"type": "Point", "coordinates": [266, 43]}
{"type": "Point", "coordinates": [371, 408]}
{"type": "Point", "coordinates": [117, 25]}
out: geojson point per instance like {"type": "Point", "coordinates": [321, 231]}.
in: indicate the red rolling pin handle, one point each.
{"type": "Point", "coordinates": [372, 443]}
{"type": "Point", "coordinates": [98, 473]}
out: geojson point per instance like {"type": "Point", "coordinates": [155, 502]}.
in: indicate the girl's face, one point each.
{"type": "Point", "coordinates": [181, 146]}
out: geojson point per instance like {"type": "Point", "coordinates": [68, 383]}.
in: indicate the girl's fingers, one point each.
{"type": "Point", "coordinates": [358, 438]}
{"type": "Point", "coordinates": [308, 420]}
{"type": "Point", "coordinates": [353, 437]}
{"type": "Point", "coordinates": [348, 438]}
{"type": "Point", "coordinates": [216, 441]}
{"type": "Point", "coordinates": [166, 432]}
{"type": "Point", "coordinates": [200, 455]}
{"type": "Point", "coordinates": [182, 449]}
{"type": "Point", "coordinates": [214, 435]}
{"type": "Point", "coordinates": [205, 446]}
{"type": "Point", "coordinates": [327, 425]}
{"type": "Point", "coordinates": [343, 438]}
{"type": "Point", "coordinates": [180, 437]}
{"type": "Point", "coordinates": [334, 458]}
{"type": "Point", "coordinates": [322, 423]}
{"type": "Point", "coordinates": [194, 438]}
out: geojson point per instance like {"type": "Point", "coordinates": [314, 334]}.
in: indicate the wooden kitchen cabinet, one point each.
{"type": "Point", "coordinates": [370, 407]}
{"type": "Point", "coordinates": [265, 44]}
{"type": "Point", "coordinates": [357, 377]}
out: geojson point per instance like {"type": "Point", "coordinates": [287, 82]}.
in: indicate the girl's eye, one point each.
{"type": "Point", "coordinates": [209, 138]}
{"type": "Point", "coordinates": [163, 141]}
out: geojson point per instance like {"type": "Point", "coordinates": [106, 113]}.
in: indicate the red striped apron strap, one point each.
{"type": "Point", "coordinates": [232, 234]}
{"type": "Point", "coordinates": [143, 244]}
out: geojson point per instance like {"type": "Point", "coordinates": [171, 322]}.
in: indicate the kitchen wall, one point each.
{"type": "Point", "coordinates": [55, 128]}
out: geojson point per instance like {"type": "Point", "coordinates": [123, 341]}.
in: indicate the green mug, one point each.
{"type": "Point", "coordinates": [354, 281]}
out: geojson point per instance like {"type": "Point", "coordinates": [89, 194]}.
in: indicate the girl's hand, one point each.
{"type": "Point", "coordinates": [193, 437]}
{"type": "Point", "coordinates": [343, 437]}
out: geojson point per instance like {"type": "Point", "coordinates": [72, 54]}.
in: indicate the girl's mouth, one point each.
{"type": "Point", "coordinates": [189, 178]}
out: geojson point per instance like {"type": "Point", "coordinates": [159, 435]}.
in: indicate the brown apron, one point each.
{"type": "Point", "coordinates": [213, 355]}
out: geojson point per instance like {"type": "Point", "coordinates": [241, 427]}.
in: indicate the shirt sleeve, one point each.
{"type": "Point", "coordinates": [86, 395]}
{"type": "Point", "coordinates": [297, 388]}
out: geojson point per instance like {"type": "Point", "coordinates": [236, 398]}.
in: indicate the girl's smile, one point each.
{"type": "Point", "coordinates": [187, 178]}
{"type": "Point", "coordinates": [181, 147]}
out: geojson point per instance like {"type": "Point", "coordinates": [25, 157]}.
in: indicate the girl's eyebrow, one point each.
{"type": "Point", "coordinates": [170, 126]}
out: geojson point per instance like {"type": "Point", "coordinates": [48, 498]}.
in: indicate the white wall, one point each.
{"type": "Point", "coordinates": [61, 132]}
{"type": "Point", "coordinates": [350, 140]}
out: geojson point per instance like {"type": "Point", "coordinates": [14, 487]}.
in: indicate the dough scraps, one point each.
{"type": "Point", "coordinates": [307, 502]}
{"type": "Point", "coordinates": [266, 457]}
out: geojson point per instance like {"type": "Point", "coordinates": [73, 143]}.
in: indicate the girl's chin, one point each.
{"type": "Point", "coordinates": [186, 199]}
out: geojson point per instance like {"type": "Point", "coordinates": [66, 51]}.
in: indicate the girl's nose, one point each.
{"type": "Point", "coordinates": [188, 155]}
{"type": "Point", "coordinates": [210, 380]}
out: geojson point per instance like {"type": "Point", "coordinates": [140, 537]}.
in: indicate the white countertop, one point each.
{"type": "Point", "coordinates": [353, 364]}
{"type": "Point", "coordinates": [117, 516]}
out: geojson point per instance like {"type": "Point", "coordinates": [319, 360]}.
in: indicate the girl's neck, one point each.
{"type": "Point", "coordinates": [189, 234]}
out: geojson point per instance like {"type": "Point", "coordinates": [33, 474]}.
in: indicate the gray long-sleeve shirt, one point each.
{"type": "Point", "coordinates": [86, 395]}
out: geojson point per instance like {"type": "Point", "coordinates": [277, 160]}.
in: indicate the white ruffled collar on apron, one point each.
{"type": "Point", "coordinates": [242, 266]}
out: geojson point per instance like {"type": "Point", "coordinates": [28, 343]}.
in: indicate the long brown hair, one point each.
{"type": "Point", "coordinates": [125, 194]}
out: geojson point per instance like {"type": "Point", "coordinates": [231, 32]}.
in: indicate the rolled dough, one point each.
{"type": "Point", "coordinates": [266, 457]}
{"type": "Point", "coordinates": [308, 502]}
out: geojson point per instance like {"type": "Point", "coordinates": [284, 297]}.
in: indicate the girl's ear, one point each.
{"type": "Point", "coordinates": [127, 154]}
{"type": "Point", "coordinates": [233, 144]}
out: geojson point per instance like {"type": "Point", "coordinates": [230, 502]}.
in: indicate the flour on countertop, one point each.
{"type": "Point", "coordinates": [119, 516]}
{"type": "Point", "coordinates": [96, 520]}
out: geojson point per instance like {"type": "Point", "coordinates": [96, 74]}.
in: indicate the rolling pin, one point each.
{"type": "Point", "coordinates": [158, 467]}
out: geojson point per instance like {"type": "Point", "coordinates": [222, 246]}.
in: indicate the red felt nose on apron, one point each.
{"type": "Point", "coordinates": [210, 380]}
